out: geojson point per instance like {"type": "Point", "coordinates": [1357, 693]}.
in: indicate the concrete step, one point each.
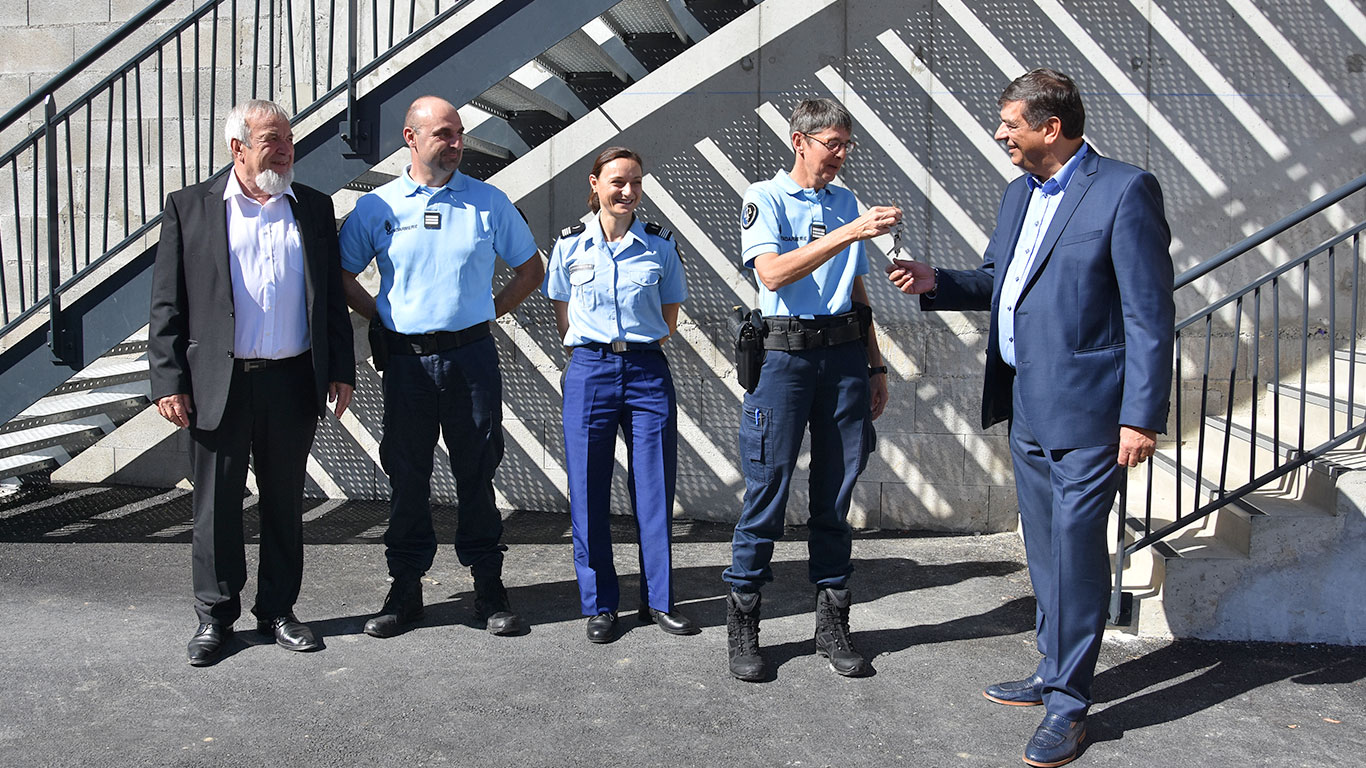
{"type": "Point", "coordinates": [105, 372]}
{"type": "Point", "coordinates": [72, 405]}
{"type": "Point", "coordinates": [38, 461]}
{"type": "Point", "coordinates": [77, 433]}
{"type": "Point", "coordinates": [1247, 571]}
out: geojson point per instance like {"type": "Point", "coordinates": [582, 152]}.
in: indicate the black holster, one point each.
{"type": "Point", "coordinates": [379, 343]}
{"type": "Point", "coordinates": [747, 329]}
{"type": "Point", "coordinates": [865, 319]}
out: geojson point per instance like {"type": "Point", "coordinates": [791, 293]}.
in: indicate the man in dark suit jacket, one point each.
{"type": "Point", "coordinates": [1078, 279]}
{"type": "Point", "coordinates": [249, 339]}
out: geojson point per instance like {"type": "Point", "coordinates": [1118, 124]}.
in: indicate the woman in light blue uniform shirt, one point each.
{"type": "Point", "coordinates": [616, 284]}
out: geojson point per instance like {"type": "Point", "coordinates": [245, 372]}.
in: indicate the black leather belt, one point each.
{"type": "Point", "coordinates": [436, 341]}
{"type": "Point", "coordinates": [793, 334]}
{"type": "Point", "coordinates": [620, 346]}
{"type": "Point", "coordinates": [250, 364]}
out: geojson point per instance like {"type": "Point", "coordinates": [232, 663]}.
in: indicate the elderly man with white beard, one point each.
{"type": "Point", "coordinates": [249, 339]}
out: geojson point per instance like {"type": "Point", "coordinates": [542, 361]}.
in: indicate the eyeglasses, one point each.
{"type": "Point", "coordinates": [833, 146]}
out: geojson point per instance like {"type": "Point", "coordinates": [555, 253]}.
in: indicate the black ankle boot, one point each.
{"type": "Point", "coordinates": [742, 635]}
{"type": "Point", "coordinates": [832, 633]}
{"type": "Point", "coordinates": [491, 603]}
{"type": "Point", "coordinates": [402, 606]}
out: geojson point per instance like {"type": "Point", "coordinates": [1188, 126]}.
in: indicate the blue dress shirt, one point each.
{"type": "Point", "coordinates": [1044, 199]}
{"type": "Point", "coordinates": [615, 291]}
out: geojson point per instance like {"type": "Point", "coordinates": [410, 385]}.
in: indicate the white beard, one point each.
{"type": "Point", "coordinates": [273, 183]}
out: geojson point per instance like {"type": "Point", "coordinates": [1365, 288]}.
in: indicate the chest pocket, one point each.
{"type": "Point", "coordinates": [582, 286]}
{"type": "Point", "coordinates": [294, 245]}
{"type": "Point", "coordinates": [639, 290]}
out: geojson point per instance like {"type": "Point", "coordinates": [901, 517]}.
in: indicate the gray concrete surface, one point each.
{"type": "Point", "coordinates": [95, 602]}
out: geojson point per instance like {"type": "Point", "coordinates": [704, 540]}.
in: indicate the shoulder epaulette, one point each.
{"type": "Point", "coordinates": [574, 230]}
{"type": "Point", "coordinates": [654, 229]}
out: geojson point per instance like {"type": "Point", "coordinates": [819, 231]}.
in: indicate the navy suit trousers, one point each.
{"type": "Point", "coordinates": [1065, 499]}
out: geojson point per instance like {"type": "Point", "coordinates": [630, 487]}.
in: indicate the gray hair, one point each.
{"type": "Point", "coordinates": [235, 126]}
{"type": "Point", "coordinates": [813, 115]}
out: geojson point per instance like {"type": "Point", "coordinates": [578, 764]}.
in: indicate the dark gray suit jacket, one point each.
{"type": "Point", "coordinates": [190, 337]}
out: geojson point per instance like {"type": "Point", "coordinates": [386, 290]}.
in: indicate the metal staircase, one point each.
{"type": "Point", "coordinates": [1269, 413]}
{"type": "Point", "coordinates": [86, 171]}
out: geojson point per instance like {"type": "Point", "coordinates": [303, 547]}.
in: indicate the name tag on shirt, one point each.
{"type": "Point", "coordinates": [817, 231]}
{"type": "Point", "coordinates": [431, 219]}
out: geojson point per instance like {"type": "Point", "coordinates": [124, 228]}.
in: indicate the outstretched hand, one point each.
{"type": "Point", "coordinates": [912, 277]}
{"type": "Point", "coordinates": [876, 221]}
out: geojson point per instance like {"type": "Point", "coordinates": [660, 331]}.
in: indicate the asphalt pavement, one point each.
{"type": "Point", "coordinates": [96, 604]}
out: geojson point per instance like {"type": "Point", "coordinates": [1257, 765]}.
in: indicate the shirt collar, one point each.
{"type": "Point", "coordinates": [234, 189]}
{"type": "Point", "coordinates": [596, 236]}
{"type": "Point", "coordinates": [456, 183]}
{"type": "Point", "coordinates": [788, 185]}
{"type": "Point", "coordinates": [1058, 182]}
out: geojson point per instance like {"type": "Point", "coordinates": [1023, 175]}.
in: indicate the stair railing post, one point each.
{"type": "Point", "coordinates": [356, 134]}
{"type": "Point", "coordinates": [58, 340]}
{"type": "Point", "coordinates": [1117, 594]}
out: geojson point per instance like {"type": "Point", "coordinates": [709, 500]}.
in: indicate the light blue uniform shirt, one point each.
{"type": "Point", "coordinates": [615, 293]}
{"type": "Point", "coordinates": [1044, 200]}
{"type": "Point", "coordinates": [778, 216]}
{"type": "Point", "coordinates": [436, 249]}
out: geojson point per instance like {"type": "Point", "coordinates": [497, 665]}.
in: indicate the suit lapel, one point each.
{"type": "Point", "coordinates": [216, 220]}
{"type": "Point", "coordinates": [312, 252]}
{"type": "Point", "coordinates": [1076, 190]}
{"type": "Point", "coordinates": [1008, 230]}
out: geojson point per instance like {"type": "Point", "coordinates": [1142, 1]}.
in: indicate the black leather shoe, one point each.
{"type": "Point", "coordinates": [1017, 693]}
{"type": "Point", "coordinates": [491, 604]}
{"type": "Point", "coordinates": [402, 606]}
{"type": "Point", "coordinates": [207, 644]}
{"type": "Point", "coordinates": [290, 633]}
{"type": "Point", "coordinates": [603, 627]}
{"type": "Point", "coordinates": [1056, 741]}
{"type": "Point", "coordinates": [674, 623]}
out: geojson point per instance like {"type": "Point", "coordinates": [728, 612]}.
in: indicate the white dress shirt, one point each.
{"type": "Point", "coordinates": [266, 258]}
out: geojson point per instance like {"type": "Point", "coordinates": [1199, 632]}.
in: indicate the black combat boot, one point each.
{"type": "Point", "coordinates": [742, 634]}
{"type": "Point", "coordinates": [402, 606]}
{"type": "Point", "coordinates": [491, 602]}
{"type": "Point", "coordinates": [832, 633]}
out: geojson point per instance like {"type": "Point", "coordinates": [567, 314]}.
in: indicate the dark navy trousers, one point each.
{"type": "Point", "coordinates": [1065, 499]}
{"type": "Point", "coordinates": [631, 393]}
{"type": "Point", "coordinates": [457, 394]}
{"type": "Point", "coordinates": [826, 389]}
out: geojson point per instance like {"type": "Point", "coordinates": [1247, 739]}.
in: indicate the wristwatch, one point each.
{"type": "Point", "coordinates": [874, 370]}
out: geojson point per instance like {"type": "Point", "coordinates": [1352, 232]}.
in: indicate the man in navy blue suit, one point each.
{"type": "Point", "coordinates": [1078, 279]}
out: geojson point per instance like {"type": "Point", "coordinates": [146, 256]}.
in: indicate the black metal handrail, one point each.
{"type": "Point", "coordinates": [1270, 231]}
{"type": "Point", "coordinates": [151, 125]}
{"type": "Point", "coordinates": [1240, 386]}
{"type": "Point", "coordinates": [81, 64]}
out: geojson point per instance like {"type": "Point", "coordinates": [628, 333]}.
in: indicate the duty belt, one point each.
{"type": "Point", "coordinates": [620, 346]}
{"type": "Point", "coordinates": [793, 334]}
{"type": "Point", "coordinates": [436, 341]}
